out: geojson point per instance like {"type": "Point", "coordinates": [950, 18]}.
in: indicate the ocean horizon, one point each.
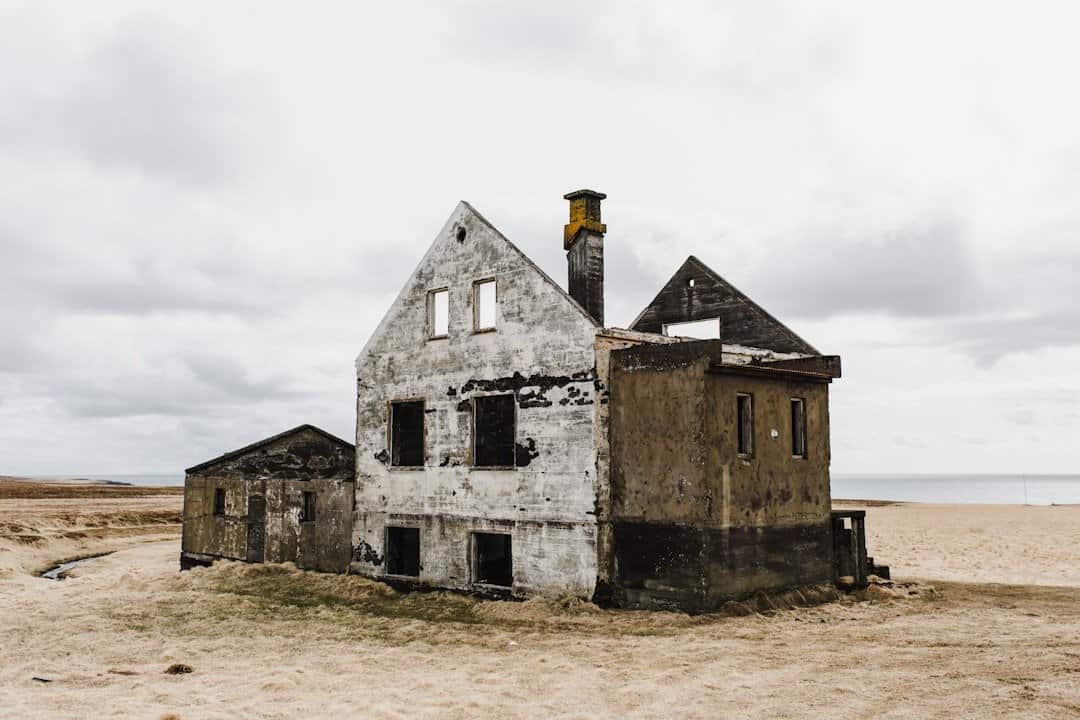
{"type": "Point", "coordinates": [996, 489]}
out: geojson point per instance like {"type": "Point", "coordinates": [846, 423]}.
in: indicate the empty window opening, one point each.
{"type": "Point", "coordinates": [690, 282]}
{"type": "Point", "coordinates": [407, 434]}
{"type": "Point", "coordinates": [438, 313]}
{"type": "Point", "coordinates": [493, 561]}
{"type": "Point", "coordinates": [700, 329]}
{"type": "Point", "coordinates": [403, 551]}
{"type": "Point", "coordinates": [484, 305]}
{"type": "Point", "coordinates": [746, 424]}
{"type": "Point", "coordinates": [219, 501]}
{"type": "Point", "coordinates": [307, 510]}
{"type": "Point", "coordinates": [798, 427]}
{"type": "Point", "coordinates": [461, 234]}
{"type": "Point", "coordinates": [494, 419]}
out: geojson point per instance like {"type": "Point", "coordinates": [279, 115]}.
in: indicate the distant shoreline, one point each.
{"type": "Point", "coordinates": [22, 488]}
{"type": "Point", "coordinates": [65, 480]}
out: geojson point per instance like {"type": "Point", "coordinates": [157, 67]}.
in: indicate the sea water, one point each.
{"type": "Point", "coordinates": [993, 489]}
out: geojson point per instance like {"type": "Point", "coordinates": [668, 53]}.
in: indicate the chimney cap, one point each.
{"type": "Point", "coordinates": [584, 192]}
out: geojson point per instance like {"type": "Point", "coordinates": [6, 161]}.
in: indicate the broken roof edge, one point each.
{"type": "Point", "coordinates": [743, 297]}
{"type": "Point", "coordinates": [266, 441]}
{"type": "Point", "coordinates": [723, 368]}
{"type": "Point", "coordinates": [464, 205]}
{"type": "Point", "coordinates": [618, 333]}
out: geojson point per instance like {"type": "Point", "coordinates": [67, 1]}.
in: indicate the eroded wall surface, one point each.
{"type": "Point", "coordinates": [542, 352]}
{"type": "Point", "coordinates": [279, 472]}
{"type": "Point", "coordinates": [694, 523]}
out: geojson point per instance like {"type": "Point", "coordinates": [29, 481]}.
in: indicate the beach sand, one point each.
{"type": "Point", "coordinates": [977, 640]}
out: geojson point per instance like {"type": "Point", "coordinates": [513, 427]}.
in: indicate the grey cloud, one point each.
{"type": "Point", "coordinates": [989, 338]}
{"type": "Point", "coordinates": [918, 270]}
{"type": "Point", "coordinates": [547, 30]}
{"type": "Point", "coordinates": [198, 386]}
{"type": "Point", "coordinates": [137, 102]}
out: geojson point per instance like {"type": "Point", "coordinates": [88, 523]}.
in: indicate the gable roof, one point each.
{"type": "Point", "coordinates": [742, 321]}
{"type": "Point", "coordinates": [267, 441]}
{"type": "Point", "coordinates": [559, 288]}
{"type": "Point", "coordinates": [464, 208]}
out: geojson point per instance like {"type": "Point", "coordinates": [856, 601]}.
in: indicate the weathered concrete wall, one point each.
{"type": "Point", "coordinates": [543, 353]}
{"type": "Point", "coordinates": [279, 471]}
{"type": "Point", "coordinates": [693, 522]}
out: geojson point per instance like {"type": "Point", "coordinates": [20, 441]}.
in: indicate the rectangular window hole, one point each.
{"type": "Point", "coordinates": [438, 313]}
{"type": "Point", "coordinates": [746, 424]}
{"type": "Point", "coordinates": [699, 329]}
{"type": "Point", "coordinates": [484, 299]}
{"type": "Point", "coordinates": [798, 427]}
{"type": "Point", "coordinates": [219, 501]}
{"type": "Point", "coordinates": [403, 551]}
{"type": "Point", "coordinates": [493, 560]}
{"type": "Point", "coordinates": [407, 434]}
{"type": "Point", "coordinates": [307, 511]}
{"type": "Point", "coordinates": [494, 432]}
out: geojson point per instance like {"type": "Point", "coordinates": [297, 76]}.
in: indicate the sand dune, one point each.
{"type": "Point", "coordinates": [275, 642]}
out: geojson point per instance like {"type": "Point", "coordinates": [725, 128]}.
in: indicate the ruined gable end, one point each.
{"type": "Point", "coordinates": [697, 294]}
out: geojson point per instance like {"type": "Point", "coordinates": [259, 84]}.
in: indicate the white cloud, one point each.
{"type": "Point", "coordinates": [205, 208]}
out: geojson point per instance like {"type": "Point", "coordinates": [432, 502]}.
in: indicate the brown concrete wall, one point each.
{"type": "Point", "coordinates": [281, 472]}
{"type": "Point", "coordinates": [320, 545]}
{"type": "Point", "coordinates": [694, 523]}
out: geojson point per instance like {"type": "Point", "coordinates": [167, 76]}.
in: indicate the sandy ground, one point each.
{"type": "Point", "coordinates": [274, 642]}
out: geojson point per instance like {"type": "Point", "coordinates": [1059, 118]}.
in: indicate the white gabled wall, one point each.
{"type": "Point", "coordinates": [543, 350]}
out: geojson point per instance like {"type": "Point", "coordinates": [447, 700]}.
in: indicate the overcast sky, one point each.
{"type": "Point", "coordinates": [205, 208]}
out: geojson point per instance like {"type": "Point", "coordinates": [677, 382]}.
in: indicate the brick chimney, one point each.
{"type": "Point", "coordinates": [583, 240]}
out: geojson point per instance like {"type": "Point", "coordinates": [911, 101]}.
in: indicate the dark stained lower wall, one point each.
{"type": "Point", "coordinates": [697, 569]}
{"type": "Point", "coordinates": [695, 523]}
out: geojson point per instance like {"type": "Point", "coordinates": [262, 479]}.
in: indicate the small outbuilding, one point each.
{"type": "Point", "coordinates": [288, 498]}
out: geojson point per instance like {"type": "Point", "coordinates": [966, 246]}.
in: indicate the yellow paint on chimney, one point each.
{"type": "Point", "coordinates": [584, 213]}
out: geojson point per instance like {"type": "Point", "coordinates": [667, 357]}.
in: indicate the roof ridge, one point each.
{"type": "Point", "coordinates": [266, 441]}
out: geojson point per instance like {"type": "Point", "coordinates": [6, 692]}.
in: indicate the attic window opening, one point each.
{"type": "Point", "coordinates": [798, 427]}
{"type": "Point", "coordinates": [219, 502]}
{"type": "Point", "coordinates": [493, 559]}
{"type": "Point", "coordinates": [403, 551]}
{"type": "Point", "coordinates": [407, 434]}
{"type": "Point", "coordinates": [461, 234]}
{"type": "Point", "coordinates": [307, 510]}
{"type": "Point", "coordinates": [484, 310]}
{"type": "Point", "coordinates": [708, 329]}
{"type": "Point", "coordinates": [690, 282]}
{"type": "Point", "coordinates": [494, 431]}
{"type": "Point", "coordinates": [745, 420]}
{"type": "Point", "coordinates": [438, 313]}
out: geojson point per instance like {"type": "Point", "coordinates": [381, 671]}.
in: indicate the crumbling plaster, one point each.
{"type": "Point", "coordinates": [542, 351]}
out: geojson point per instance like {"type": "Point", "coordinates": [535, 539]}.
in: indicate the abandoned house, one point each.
{"type": "Point", "coordinates": [509, 442]}
{"type": "Point", "coordinates": [288, 498]}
